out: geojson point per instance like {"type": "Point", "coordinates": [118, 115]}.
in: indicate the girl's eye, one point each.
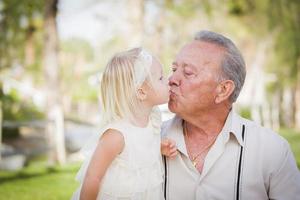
{"type": "Point", "coordinates": [161, 78]}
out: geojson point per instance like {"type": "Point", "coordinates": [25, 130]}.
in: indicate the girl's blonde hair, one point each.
{"type": "Point", "coordinates": [123, 75]}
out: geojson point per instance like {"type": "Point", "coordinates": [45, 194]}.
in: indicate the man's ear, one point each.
{"type": "Point", "coordinates": [141, 94]}
{"type": "Point", "coordinates": [224, 90]}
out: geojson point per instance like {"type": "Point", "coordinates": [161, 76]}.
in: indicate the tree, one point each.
{"type": "Point", "coordinates": [55, 117]}
{"type": "Point", "coordinates": [17, 19]}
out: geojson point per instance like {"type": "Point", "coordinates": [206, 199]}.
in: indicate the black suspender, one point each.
{"type": "Point", "coordinates": [239, 168]}
{"type": "Point", "coordinates": [166, 176]}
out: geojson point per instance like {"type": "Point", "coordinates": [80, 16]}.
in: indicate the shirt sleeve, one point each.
{"type": "Point", "coordinates": [285, 181]}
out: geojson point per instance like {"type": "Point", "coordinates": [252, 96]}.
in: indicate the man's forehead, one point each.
{"type": "Point", "coordinates": [199, 51]}
{"type": "Point", "coordinates": [202, 47]}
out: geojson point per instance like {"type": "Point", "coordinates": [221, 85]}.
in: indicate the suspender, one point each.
{"type": "Point", "coordinates": [239, 168]}
{"type": "Point", "coordinates": [166, 177]}
{"type": "Point", "coordinates": [238, 177]}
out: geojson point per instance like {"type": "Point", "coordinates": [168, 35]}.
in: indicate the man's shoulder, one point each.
{"type": "Point", "coordinates": [267, 144]}
{"type": "Point", "coordinates": [264, 136]}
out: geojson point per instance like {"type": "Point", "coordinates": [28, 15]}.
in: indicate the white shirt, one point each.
{"type": "Point", "coordinates": [267, 167]}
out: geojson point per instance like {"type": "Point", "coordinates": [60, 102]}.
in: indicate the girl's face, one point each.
{"type": "Point", "coordinates": [158, 93]}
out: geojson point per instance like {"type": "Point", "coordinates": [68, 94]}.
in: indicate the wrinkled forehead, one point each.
{"type": "Point", "coordinates": [200, 53]}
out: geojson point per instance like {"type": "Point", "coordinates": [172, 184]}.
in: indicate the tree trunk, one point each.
{"type": "Point", "coordinates": [281, 107]}
{"type": "Point", "coordinates": [275, 110]}
{"type": "Point", "coordinates": [29, 46]}
{"type": "Point", "coordinates": [287, 107]}
{"type": "Point", "coordinates": [297, 103]}
{"type": "Point", "coordinates": [55, 127]}
{"type": "Point", "coordinates": [293, 107]}
{"type": "Point", "coordinates": [1, 119]}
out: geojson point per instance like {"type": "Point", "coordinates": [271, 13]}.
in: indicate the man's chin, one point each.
{"type": "Point", "coordinates": [171, 106]}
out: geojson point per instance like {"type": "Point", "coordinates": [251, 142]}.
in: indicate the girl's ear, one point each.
{"type": "Point", "coordinates": [224, 90]}
{"type": "Point", "coordinates": [141, 94]}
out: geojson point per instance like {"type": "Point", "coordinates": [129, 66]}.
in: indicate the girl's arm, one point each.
{"type": "Point", "coordinates": [109, 146]}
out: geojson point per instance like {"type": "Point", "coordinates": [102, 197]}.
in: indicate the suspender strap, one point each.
{"type": "Point", "coordinates": [166, 176]}
{"type": "Point", "coordinates": [239, 168]}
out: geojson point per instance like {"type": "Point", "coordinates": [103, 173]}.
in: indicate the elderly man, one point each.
{"type": "Point", "coordinates": [221, 155]}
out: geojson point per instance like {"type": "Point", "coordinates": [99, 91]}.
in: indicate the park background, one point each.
{"type": "Point", "coordinates": [52, 53]}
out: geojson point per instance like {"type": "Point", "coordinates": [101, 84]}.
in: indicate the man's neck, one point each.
{"type": "Point", "coordinates": [207, 123]}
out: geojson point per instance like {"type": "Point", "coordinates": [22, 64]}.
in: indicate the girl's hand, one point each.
{"type": "Point", "coordinates": [168, 148]}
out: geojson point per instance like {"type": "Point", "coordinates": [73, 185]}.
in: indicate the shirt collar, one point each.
{"type": "Point", "coordinates": [233, 125]}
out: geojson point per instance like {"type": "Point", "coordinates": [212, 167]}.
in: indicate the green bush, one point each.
{"type": "Point", "coordinates": [16, 109]}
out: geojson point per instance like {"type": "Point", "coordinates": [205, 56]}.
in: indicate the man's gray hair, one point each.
{"type": "Point", "coordinates": [233, 64]}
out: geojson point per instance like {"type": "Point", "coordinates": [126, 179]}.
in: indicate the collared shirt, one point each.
{"type": "Point", "coordinates": [265, 168]}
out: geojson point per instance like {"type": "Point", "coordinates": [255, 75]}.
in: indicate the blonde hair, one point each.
{"type": "Point", "coordinates": [124, 73]}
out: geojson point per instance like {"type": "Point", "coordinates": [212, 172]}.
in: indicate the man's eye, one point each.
{"type": "Point", "coordinates": [188, 73]}
{"type": "Point", "coordinates": [173, 69]}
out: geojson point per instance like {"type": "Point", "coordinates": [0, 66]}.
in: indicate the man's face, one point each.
{"type": "Point", "coordinates": [194, 81]}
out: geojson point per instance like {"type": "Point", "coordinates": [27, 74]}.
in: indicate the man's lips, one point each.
{"type": "Point", "coordinates": [172, 94]}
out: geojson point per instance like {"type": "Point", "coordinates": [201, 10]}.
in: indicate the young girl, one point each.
{"type": "Point", "coordinates": [124, 160]}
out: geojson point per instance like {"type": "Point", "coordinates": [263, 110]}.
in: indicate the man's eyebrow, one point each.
{"type": "Point", "coordinates": [190, 66]}
{"type": "Point", "coordinates": [185, 65]}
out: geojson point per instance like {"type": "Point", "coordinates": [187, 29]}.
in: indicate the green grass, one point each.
{"type": "Point", "coordinates": [293, 137]}
{"type": "Point", "coordinates": [38, 182]}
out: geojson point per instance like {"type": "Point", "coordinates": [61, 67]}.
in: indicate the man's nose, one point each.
{"type": "Point", "coordinates": [174, 79]}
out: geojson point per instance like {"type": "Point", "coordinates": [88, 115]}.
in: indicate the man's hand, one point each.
{"type": "Point", "coordinates": [168, 148]}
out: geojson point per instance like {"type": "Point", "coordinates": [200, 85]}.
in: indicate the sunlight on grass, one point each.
{"type": "Point", "coordinates": [38, 182]}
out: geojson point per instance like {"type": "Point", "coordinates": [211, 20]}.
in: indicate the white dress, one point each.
{"type": "Point", "coordinates": [136, 173]}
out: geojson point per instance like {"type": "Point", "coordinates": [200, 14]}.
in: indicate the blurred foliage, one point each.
{"type": "Point", "coordinates": [188, 8]}
{"type": "Point", "coordinates": [19, 19]}
{"type": "Point", "coordinates": [77, 68]}
{"type": "Point", "coordinates": [284, 19]}
{"type": "Point", "coordinates": [78, 47]}
{"type": "Point", "coordinates": [279, 19]}
{"type": "Point", "coordinates": [17, 109]}
{"type": "Point", "coordinates": [277, 24]}
{"type": "Point", "coordinates": [245, 112]}
{"type": "Point", "coordinates": [248, 22]}
{"type": "Point", "coordinates": [20, 26]}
